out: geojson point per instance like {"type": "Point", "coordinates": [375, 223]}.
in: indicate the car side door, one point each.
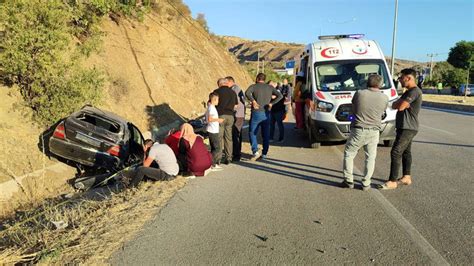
{"type": "Point", "coordinates": [136, 143]}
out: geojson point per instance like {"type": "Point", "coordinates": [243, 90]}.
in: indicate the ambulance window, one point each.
{"type": "Point", "coordinates": [304, 66]}
{"type": "Point", "coordinates": [349, 75]}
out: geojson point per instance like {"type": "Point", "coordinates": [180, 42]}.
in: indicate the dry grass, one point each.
{"type": "Point", "coordinates": [36, 188]}
{"type": "Point", "coordinates": [97, 225]}
{"type": "Point", "coordinates": [448, 99]}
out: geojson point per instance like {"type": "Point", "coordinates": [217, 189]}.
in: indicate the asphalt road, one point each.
{"type": "Point", "coordinates": [288, 209]}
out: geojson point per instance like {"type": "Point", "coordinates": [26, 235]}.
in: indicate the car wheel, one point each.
{"type": "Point", "coordinates": [315, 145]}
{"type": "Point", "coordinates": [388, 143]}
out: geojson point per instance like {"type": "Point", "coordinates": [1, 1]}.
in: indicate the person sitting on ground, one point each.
{"type": "Point", "coordinates": [172, 140]}
{"type": "Point", "coordinates": [198, 158]}
{"type": "Point", "coordinates": [163, 156]}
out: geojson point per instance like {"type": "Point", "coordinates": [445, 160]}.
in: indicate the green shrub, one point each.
{"type": "Point", "coordinates": [270, 73]}
{"type": "Point", "coordinates": [42, 45]}
{"type": "Point", "coordinates": [447, 74]}
{"type": "Point", "coordinates": [201, 19]}
{"type": "Point", "coordinates": [37, 36]}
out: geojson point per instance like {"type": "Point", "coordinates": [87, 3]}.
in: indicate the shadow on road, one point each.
{"type": "Point", "coordinates": [288, 165]}
{"type": "Point", "coordinates": [292, 174]}
{"type": "Point", "coordinates": [445, 144]}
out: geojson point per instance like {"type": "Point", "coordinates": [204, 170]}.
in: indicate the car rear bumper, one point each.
{"type": "Point", "coordinates": [84, 156]}
{"type": "Point", "coordinates": [328, 131]}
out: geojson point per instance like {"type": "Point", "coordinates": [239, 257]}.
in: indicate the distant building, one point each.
{"type": "Point", "coordinates": [288, 70]}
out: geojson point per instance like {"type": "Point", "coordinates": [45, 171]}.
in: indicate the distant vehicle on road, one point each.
{"type": "Point", "coordinates": [334, 68]}
{"type": "Point", "coordinates": [97, 141]}
{"type": "Point", "coordinates": [470, 89]}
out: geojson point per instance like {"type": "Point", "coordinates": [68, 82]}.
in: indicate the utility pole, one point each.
{"type": "Point", "coordinates": [263, 66]}
{"type": "Point", "coordinates": [431, 64]}
{"type": "Point", "coordinates": [394, 38]}
{"type": "Point", "coordinates": [258, 60]}
{"type": "Point", "coordinates": [467, 82]}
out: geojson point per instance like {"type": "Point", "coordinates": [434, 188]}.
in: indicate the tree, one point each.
{"type": "Point", "coordinates": [461, 54]}
{"type": "Point", "coordinates": [201, 19]}
{"type": "Point", "coordinates": [454, 77]}
{"type": "Point", "coordinates": [448, 75]}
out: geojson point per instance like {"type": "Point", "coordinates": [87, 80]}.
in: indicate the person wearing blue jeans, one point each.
{"type": "Point", "coordinates": [259, 120]}
{"type": "Point", "coordinates": [260, 95]}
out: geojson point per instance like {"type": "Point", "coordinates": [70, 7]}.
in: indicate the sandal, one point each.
{"type": "Point", "coordinates": [385, 187]}
{"type": "Point", "coordinates": [403, 183]}
{"type": "Point", "coordinates": [400, 182]}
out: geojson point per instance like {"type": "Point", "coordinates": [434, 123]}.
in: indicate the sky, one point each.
{"type": "Point", "coordinates": [424, 26]}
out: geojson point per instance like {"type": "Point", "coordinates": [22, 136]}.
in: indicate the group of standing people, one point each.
{"type": "Point", "coordinates": [225, 117]}
{"type": "Point", "coordinates": [368, 106]}
{"type": "Point", "coordinates": [184, 151]}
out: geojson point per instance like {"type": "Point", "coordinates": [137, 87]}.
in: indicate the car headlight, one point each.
{"type": "Point", "coordinates": [324, 106]}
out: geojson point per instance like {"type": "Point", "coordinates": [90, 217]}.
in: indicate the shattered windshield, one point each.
{"type": "Point", "coordinates": [349, 75]}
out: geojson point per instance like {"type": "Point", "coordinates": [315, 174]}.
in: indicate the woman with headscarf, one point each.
{"type": "Point", "coordinates": [197, 156]}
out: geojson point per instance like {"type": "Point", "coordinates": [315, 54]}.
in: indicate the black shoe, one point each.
{"type": "Point", "coordinates": [345, 184]}
{"type": "Point", "coordinates": [236, 159]}
{"type": "Point", "coordinates": [226, 162]}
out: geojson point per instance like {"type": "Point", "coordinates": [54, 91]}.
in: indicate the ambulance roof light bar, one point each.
{"type": "Point", "coordinates": [341, 36]}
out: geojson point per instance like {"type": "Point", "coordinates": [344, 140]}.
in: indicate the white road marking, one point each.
{"type": "Point", "coordinates": [440, 130]}
{"type": "Point", "coordinates": [411, 231]}
{"type": "Point", "coordinates": [448, 111]}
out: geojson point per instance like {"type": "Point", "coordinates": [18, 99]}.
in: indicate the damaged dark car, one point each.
{"type": "Point", "coordinates": [99, 143]}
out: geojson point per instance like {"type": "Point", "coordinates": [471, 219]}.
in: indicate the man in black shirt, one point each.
{"type": "Point", "coordinates": [407, 125]}
{"type": "Point", "coordinates": [278, 113]}
{"type": "Point", "coordinates": [226, 108]}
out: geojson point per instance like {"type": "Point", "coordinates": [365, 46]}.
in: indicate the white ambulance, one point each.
{"type": "Point", "coordinates": [333, 69]}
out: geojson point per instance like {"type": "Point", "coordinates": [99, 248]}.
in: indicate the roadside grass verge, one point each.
{"type": "Point", "coordinates": [450, 99]}
{"type": "Point", "coordinates": [84, 229]}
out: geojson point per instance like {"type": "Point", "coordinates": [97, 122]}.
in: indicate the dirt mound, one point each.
{"type": "Point", "coordinates": [276, 53]}
{"type": "Point", "coordinates": [247, 50]}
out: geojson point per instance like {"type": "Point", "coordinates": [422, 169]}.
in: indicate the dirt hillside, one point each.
{"type": "Point", "coordinates": [157, 71]}
{"type": "Point", "coordinates": [162, 68]}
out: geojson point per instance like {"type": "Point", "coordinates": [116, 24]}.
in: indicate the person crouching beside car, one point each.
{"type": "Point", "coordinates": [163, 156]}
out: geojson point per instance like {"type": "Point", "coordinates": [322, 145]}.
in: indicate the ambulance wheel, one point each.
{"type": "Point", "coordinates": [388, 143]}
{"type": "Point", "coordinates": [314, 144]}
